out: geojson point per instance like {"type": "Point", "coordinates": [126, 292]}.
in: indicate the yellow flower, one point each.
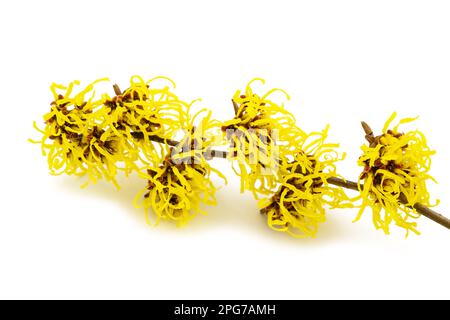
{"type": "Point", "coordinates": [175, 191]}
{"type": "Point", "coordinates": [259, 132]}
{"type": "Point", "coordinates": [396, 167]}
{"type": "Point", "coordinates": [298, 206]}
{"type": "Point", "coordinates": [74, 140]}
{"type": "Point", "coordinates": [97, 137]}
{"type": "Point", "coordinates": [177, 188]}
{"type": "Point", "coordinates": [145, 110]}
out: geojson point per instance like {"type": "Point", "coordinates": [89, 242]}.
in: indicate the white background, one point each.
{"type": "Point", "coordinates": [341, 61]}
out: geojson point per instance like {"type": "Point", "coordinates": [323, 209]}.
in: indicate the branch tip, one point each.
{"type": "Point", "coordinates": [117, 90]}
{"type": "Point", "coordinates": [369, 133]}
{"type": "Point", "coordinates": [235, 106]}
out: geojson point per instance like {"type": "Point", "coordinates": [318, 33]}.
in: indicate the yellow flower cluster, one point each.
{"type": "Point", "coordinates": [298, 206]}
{"type": "Point", "coordinates": [147, 129]}
{"type": "Point", "coordinates": [275, 157]}
{"type": "Point", "coordinates": [96, 136]}
{"type": "Point", "coordinates": [396, 167]}
{"type": "Point", "coordinates": [178, 187]}
{"type": "Point", "coordinates": [259, 132]}
{"type": "Point", "coordinates": [175, 191]}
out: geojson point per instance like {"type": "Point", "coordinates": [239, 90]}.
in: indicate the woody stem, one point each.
{"type": "Point", "coordinates": [420, 208]}
{"type": "Point", "coordinates": [423, 210]}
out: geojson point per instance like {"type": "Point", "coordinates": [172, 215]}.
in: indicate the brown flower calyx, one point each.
{"type": "Point", "coordinates": [123, 100]}
{"type": "Point", "coordinates": [169, 175]}
{"type": "Point", "coordinates": [295, 183]}
{"type": "Point", "coordinates": [391, 165]}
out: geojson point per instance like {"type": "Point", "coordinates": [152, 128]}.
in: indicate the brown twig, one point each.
{"type": "Point", "coordinates": [117, 90]}
{"type": "Point", "coordinates": [344, 183]}
{"type": "Point", "coordinates": [420, 208]}
{"type": "Point", "coordinates": [433, 215]}
{"type": "Point", "coordinates": [209, 153]}
{"type": "Point", "coordinates": [140, 135]}
{"type": "Point", "coordinates": [369, 134]}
